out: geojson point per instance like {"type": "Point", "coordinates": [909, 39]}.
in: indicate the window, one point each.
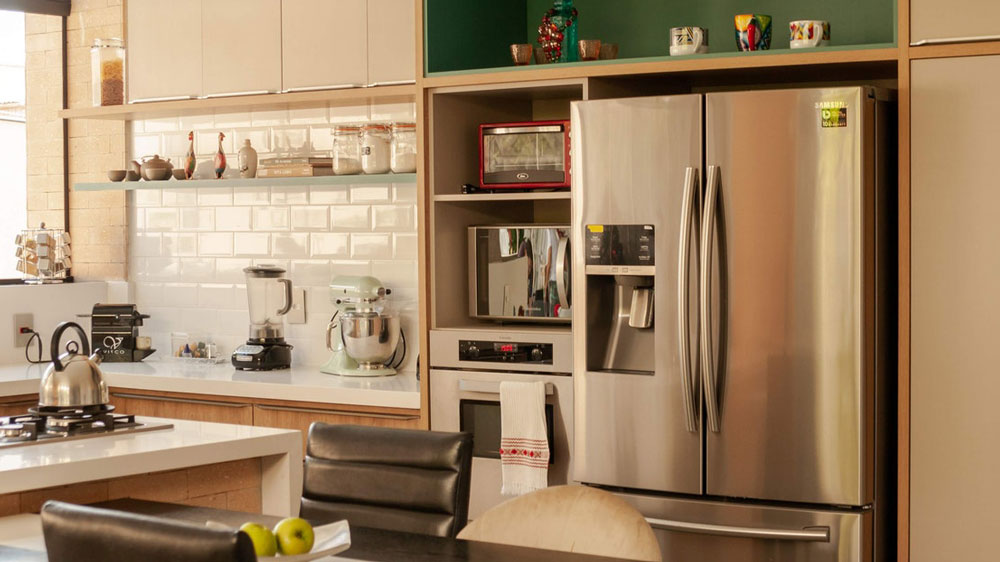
{"type": "Point", "coordinates": [13, 142]}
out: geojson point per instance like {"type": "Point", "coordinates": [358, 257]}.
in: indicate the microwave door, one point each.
{"type": "Point", "coordinates": [508, 287]}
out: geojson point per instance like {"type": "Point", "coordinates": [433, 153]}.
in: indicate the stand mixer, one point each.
{"type": "Point", "coordinates": [363, 334]}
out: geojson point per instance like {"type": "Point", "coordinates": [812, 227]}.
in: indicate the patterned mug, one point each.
{"type": "Point", "coordinates": [688, 40]}
{"type": "Point", "coordinates": [753, 32]}
{"type": "Point", "coordinates": [808, 33]}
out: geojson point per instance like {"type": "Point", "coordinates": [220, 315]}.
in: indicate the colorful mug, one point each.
{"type": "Point", "coordinates": [688, 40]}
{"type": "Point", "coordinates": [808, 33]}
{"type": "Point", "coordinates": [753, 32]}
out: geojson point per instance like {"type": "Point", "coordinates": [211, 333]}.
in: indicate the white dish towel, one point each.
{"type": "Point", "coordinates": [524, 445]}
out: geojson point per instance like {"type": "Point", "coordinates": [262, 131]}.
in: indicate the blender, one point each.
{"type": "Point", "coordinates": [269, 297]}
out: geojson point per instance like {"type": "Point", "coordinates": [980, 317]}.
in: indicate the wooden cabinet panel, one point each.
{"type": "Point", "coordinates": [953, 19]}
{"type": "Point", "coordinates": [163, 53]}
{"type": "Point", "coordinates": [391, 41]}
{"type": "Point", "coordinates": [16, 405]}
{"type": "Point", "coordinates": [241, 46]}
{"type": "Point", "coordinates": [292, 417]}
{"type": "Point", "coordinates": [324, 43]}
{"type": "Point", "coordinates": [955, 308]}
{"type": "Point", "coordinates": [165, 406]}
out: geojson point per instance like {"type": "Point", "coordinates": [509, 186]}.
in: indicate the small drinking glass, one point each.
{"type": "Point", "coordinates": [521, 53]}
{"type": "Point", "coordinates": [609, 51]}
{"type": "Point", "coordinates": [590, 49]}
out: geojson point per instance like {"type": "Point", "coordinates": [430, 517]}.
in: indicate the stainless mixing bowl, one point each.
{"type": "Point", "coordinates": [370, 338]}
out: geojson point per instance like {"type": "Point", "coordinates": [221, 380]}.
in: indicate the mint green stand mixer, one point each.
{"type": "Point", "coordinates": [364, 334]}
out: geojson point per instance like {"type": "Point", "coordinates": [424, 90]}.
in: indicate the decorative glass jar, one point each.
{"type": "Point", "coordinates": [107, 67]}
{"type": "Point", "coordinates": [346, 150]}
{"type": "Point", "coordinates": [375, 141]}
{"type": "Point", "coordinates": [403, 158]}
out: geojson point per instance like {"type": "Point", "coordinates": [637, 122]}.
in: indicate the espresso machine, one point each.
{"type": "Point", "coordinates": [364, 333]}
{"type": "Point", "coordinates": [269, 297]}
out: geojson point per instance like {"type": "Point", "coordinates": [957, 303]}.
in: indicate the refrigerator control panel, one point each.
{"type": "Point", "coordinates": [619, 246]}
{"type": "Point", "coordinates": [505, 352]}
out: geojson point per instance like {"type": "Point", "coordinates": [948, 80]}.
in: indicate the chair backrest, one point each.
{"type": "Point", "coordinates": [79, 533]}
{"type": "Point", "coordinates": [398, 479]}
{"type": "Point", "coordinates": [569, 519]}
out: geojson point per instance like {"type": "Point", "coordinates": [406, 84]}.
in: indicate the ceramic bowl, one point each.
{"type": "Point", "coordinates": [158, 174]}
{"type": "Point", "coordinates": [179, 174]}
{"type": "Point", "coordinates": [131, 176]}
{"type": "Point", "coordinates": [116, 175]}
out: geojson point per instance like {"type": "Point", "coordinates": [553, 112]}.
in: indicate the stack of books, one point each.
{"type": "Point", "coordinates": [294, 167]}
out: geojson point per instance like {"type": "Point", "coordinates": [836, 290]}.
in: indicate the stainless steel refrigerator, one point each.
{"type": "Point", "coordinates": [732, 323]}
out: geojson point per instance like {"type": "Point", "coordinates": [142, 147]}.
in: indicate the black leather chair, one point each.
{"type": "Point", "coordinates": [397, 479]}
{"type": "Point", "coordinates": [78, 533]}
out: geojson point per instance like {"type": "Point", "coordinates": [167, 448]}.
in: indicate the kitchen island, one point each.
{"type": "Point", "coordinates": [243, 468]}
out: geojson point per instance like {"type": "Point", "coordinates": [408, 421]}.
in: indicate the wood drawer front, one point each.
{"type": "Point", "coordinates": [291, 417]}
{"type": "Point", "coordinates": [16, 405]}
{"type": "Point", "coordinates": [182, 408]}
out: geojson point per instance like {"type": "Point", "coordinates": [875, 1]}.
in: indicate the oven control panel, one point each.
{"type": "Point", "coordinates": [505, 352]}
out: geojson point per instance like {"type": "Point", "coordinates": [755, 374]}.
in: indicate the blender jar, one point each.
{"type": "Point", "coordinates": [269, 297]}
{"type": "Point", "coordinates": [107, 66]}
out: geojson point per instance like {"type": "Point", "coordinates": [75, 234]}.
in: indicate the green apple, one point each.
{"type": "Point", "coordinates": [295, 535]}
{"type": "Point", "coordinates": [264, 543]}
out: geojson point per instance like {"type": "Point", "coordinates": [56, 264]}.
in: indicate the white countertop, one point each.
{"type": "Point", "coordinates": [306, 384]}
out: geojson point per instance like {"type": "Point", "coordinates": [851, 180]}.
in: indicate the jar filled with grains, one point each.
{"type": "Point", "coordinates": [375, 141]}
{"type": "Point", "coordinates": [107, 64]}
{"type": "Point", "coordinates": [346, 150]}
{"type": "Point", "coordinates": [403, 158]}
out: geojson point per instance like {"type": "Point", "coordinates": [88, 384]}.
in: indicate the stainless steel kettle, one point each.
{"type": "Point", "coordinates": [74, 379]}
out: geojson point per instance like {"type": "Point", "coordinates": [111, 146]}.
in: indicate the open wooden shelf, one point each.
{"type": "Point", "coordinates": [529, 196]}
{"type": "Point", "coordinates": [258, 102]}
{"type": "Point", "coordinates": [254, 182]}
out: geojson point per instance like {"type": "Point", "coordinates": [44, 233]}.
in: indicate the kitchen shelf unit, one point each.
{"type": "Point", "coordinates": [251, 182]}
{"type": "Point", "coordinates": [405, 93]}
{"type": "Point", "coordinates": [524, 196]}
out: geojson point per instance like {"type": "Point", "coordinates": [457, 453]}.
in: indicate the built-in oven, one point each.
{"type": "Point", "coordinates": [466, 372]}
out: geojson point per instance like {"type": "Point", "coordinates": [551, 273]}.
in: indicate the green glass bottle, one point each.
{"type": "Point", "coordinates": [566, 13]}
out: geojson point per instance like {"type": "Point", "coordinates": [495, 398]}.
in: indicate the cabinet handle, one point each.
{"type": "Point", "coordinates": [315, 88]}
{"type": "Point", "coordinates": [234, 94]}
{"type": "Point", "coordinates": [165, 98]}
{"type": "Point", "coordinates": [946, 40]}
{"type": "Point", "coordinates": [491, 387]}
{"type": "Point", "coordinates": [180, 400]}
{"type": "Point", "coordinates": [391, 83]}
{"type": "Point", "coordinates": [338, 412]}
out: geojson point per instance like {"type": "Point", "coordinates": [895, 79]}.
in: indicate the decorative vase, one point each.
{"type": "Point", "coordinates": [190, 161]}
{"type": "Point", "coordinates": [557, 33]}
{"type": "Point", "coordinates": [220, 158]}
{"type": "Point", "coordinates": [248, 160]}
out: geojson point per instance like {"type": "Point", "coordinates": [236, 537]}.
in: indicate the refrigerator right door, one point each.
{"type": "Point", "coordinates": [787, 288]}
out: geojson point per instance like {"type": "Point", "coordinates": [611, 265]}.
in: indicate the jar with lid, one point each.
{"type": "Point", "coordinates": [403, 159]}
{"type": "Point", "coordinates": [375, 141]}
{"type": "Point", "coordinates": [107, 67]}
{"type": "Point", "coordinates": [346, 150]}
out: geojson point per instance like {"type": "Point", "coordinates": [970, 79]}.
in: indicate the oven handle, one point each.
{"type": "Point", "coordinates": [806, 534]}
{"type": "Point", "coordinates": [492, 387]}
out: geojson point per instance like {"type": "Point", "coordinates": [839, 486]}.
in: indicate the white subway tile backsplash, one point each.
{"type": "Point", "coordinates": [189, 122]}
{"type": "Point", "coordinates": [215, 244]}
{"type": "Point", "coordinates": [161, 219]}
{"type": "Point", "coordinates": [310, 218]}
{"type": "Point", "coordinates": [230, 270]}
{"type": "Point", "coordinates": [180, 244]}
{"type": "Point", "coordinates": [148, 292]}
{"type": "Point", "coordinates": [330, 245]}
{"type": "Point", "coordinates": [393, 217]}
{"type": "Point", "coordinates": [232, 219]}
{"type": "Point", "coordinates": [270, 218]}
{"type": "Point", "coordinates": [321, 138]}
{"type": "Point", "coordinates": [350, 114]}
{"type": "Point", "coordinates": [269, 118]}
{"type": "Point", "coordinates": [251, 196]}
{"type": "Point", "coordinates": [371, 246]}
{"type": "Point", "coordinates": [146, 244]}
{"type": "Point", "coordinates": [206, 143]}
{"type": "Point", "coordinates": [232, 120]}
{"type": "Point", "coordinates": [260, 139]}
{"type": "Point", "coordinates": [147, 197]}
{"type": "Point", "coordinates": [308, 116]}
{"type": "Point", "coordinates": [216, 296]}
{"type": "Point", "coordinates": [252, 244]}
{"type": "Point", "coordinates": [180, 198]}
{"type": "Point", "coordinates": [145, 145]}
{"type": "Point", "coordinates": [329, 194]}
{"type": "Point", "coordinates": [351, 267]}
{"type": "Point", "coordinates": [290, 140]}
{"type": "Point", "coordinates": [290, 245]}
{"type": "Point", "coordinates": [293, 195]}
{"type": "Point", "coordinates": [404, 192]}
{"type": "Point", "coordinates": [176, 144]}
{"type": "Point", "coordinates": [161, 269]}
{"type": "Point", "coordinates": [350, 217]}
{"type": "Point", "coordinates": [395, 273]}
{"type": "Point", "coordinates": [310, 272]}
{"type": "Point", "coordinates": [197, 219]}
{"type": "Point", "coordinates": [404, 246]}
{"type": "Point", "coordinates": [215, 196]}
{"type": "Point", "coordinates": [180, 294]}
{"type": "Point", "coordinates": [199, 270]}
{"type": "Point", "coordinates": [369, 193]}
{"type": "Point", "coordinates": [394, 112]}
{"type": "Point", "coordinates": [162, 125]}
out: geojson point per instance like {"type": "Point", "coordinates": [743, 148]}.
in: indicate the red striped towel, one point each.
{"type": "Point", "coordinates": [524, 446]}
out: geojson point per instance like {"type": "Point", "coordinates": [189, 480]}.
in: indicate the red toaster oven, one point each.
{"type": "Point", "coordinates": [529, 155]}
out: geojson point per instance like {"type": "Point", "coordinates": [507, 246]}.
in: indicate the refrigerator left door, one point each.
{"type": "Point", "coordinates": [635, 177]}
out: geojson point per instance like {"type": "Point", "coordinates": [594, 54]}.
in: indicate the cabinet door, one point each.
{"type": "Point", "coordinates": [170, 406]}
{"type": "Point", "coordinates": [391, 41]}
{"type": "Point", "coordinates": [944, 20]}
{"type": "Point", "coordinates": [17, 405]}
{"type": "Point", "coordinates": [241, 46]}
{"type": "Point", "coordinates": [294, 417]}
{"type": "Point", "coordinates": [955, 310]}
{"type": "Point", "coordinates": [163, 52]}
{"type": "Point", "coordinates": [324, 44]}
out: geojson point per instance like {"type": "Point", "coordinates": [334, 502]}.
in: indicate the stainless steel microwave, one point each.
{"type": "Point", "coordinates": [520, 273]}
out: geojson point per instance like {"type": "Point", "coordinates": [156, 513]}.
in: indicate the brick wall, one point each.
{"type": "Point", "coordinates": [97, 219]}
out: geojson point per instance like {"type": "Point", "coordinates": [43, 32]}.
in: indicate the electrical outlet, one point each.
{"type": "Point", "coordinates": [297, 315]}
{"type": "Point", "coordinates": [22, 324]}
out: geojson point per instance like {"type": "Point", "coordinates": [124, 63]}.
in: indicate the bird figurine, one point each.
{"type": "Point", "coordinates": [220, 158]}
{"type": "Point", "coordinates": [190, 162]}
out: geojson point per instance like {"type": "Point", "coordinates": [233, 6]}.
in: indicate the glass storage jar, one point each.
{"type": "Point", "coordinates": [375, 140]}
{"type": "Point", "coordinates": [107, 67]}
{"type": "Point", "coordinates": [403, 159]}
{"type": "Point", "coordinates": [346, 150]}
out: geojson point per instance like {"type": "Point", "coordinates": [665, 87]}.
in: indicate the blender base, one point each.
{"type": "Point", "coordinates": [253, 356]}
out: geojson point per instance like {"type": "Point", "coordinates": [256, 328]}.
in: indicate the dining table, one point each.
{"type": "Point", "coordinates": [367, 544]}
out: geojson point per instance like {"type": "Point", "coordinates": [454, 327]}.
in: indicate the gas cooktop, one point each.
{"type": "Point", "coordinates": [47, 425]}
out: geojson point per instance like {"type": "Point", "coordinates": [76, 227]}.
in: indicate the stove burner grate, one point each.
{"type": "Point", "coordinates": [50, 423]}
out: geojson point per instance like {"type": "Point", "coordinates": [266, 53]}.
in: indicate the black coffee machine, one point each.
{"type": "Point", "coordinates": [114, 330]}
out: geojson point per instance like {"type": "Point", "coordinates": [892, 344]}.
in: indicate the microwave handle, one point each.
{"type": "Point", "coordinates": [492, 387]}
{"type": "Point", "coordinates": [561, 272]}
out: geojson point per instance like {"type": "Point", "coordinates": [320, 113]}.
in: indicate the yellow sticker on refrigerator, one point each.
{"type": "Point", "coordinates": [833, 117]}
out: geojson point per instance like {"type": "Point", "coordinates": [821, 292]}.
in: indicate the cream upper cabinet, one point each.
{"type": "Point", "coordinates": [949, 20]}
{"type": "Point", "coordinates": [391, 41]}
{"type": "Point", "coordinates": [955, 310]}
{"type": "Point", "coordinates": [324, 44]}
{"type": "Point", "coordinates": [164, 49]}
{"type": "Point", "coordinates": [241, 46]}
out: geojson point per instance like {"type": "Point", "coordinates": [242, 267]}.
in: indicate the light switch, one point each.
{"type": "Point", "coordinates": [23, 324]}
{"type": "Point", "coordinates": [297, 315]}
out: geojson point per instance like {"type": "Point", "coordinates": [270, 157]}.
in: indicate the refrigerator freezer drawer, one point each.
{"type": "Point", "coordinates": [694, 531]}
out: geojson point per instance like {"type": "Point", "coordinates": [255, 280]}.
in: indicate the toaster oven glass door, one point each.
{"type": "Point", "coordinates": [524, 155]}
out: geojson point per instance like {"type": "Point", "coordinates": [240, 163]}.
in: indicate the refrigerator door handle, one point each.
{"type": "Point", "coordinates": [806, 534]}
{"type": "Point", "coordinates": [688, 379]}
{"type": "Point", "coordinates": [707, 353]}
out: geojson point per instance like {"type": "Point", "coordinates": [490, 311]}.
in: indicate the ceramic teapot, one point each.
{"type": "Point", "coordinates": [155, 168]}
